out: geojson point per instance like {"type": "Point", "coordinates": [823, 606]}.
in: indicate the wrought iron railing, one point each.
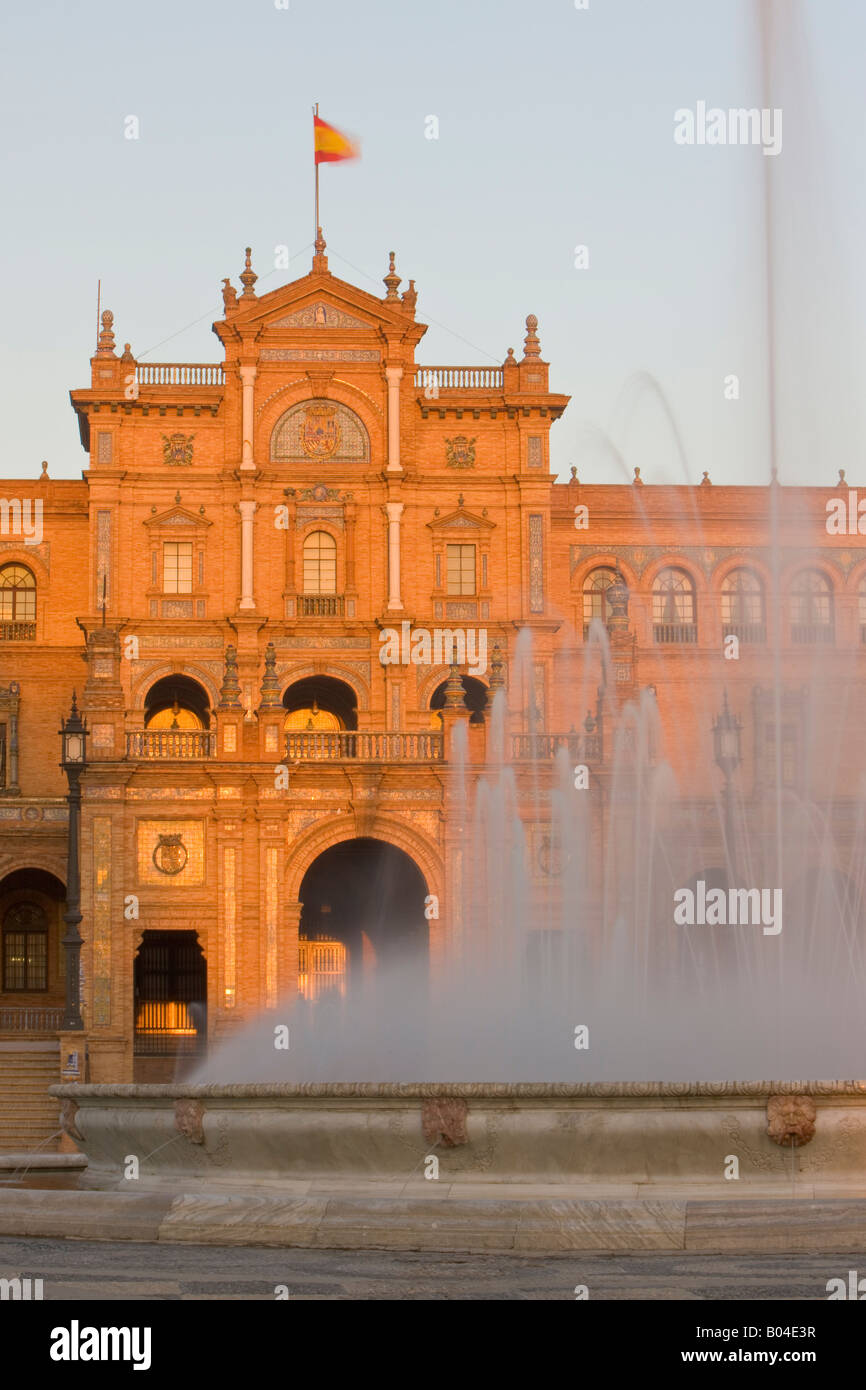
{"type": "Point", "coordinates": [30, 1019]}
{"type": "Point", "coordinates": [320, 605]}
{"type": "Point", "coordinates": [179, 374]}
{"type": "Point", "coordinates": [460, 378]}
{"type": "Point", "coordinates": [179, 744]}
{"type": "Point", "coordinates": [363, 746]}
{"type": "Point", "coordinates": [321, 968]}
{"type": "Point", "coordinates": [17, 632]}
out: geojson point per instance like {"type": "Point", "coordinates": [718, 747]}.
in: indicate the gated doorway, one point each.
{"type": "Point", "coordinates": [170, 1004]}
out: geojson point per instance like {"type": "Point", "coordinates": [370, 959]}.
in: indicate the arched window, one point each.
{"type": "Point", "coordinates": [811, 608]}
{"type": "Point", "coordinates": [674, 607]}
{"type": "Point", "coordinates": [25, 948]}
{"type": "Point", "coordinates": [595, 588]}
{"type": "Point", "coordinates": [320, 563]}
{"type": "Point", "coordinates": [17, 597]}
{"type": "Point", "coordinates": [743, 607]}
{"type": "Point", "coordinates": [323, 431]}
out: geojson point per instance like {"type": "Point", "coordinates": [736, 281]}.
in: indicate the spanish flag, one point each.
{"type": "Point", "coordinates": [331, 144]}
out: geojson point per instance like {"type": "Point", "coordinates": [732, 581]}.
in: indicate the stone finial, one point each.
{"type": "Point", "coordinates": [510, 359]}
{"type": "Point", "coordinates": [617, 595]}
{"type": "Point", "coordinates": [106, 336]}
{"type": "Point", "coordinates": [248, 276]}
{"type": "Point", "coordinates": [460, 500]}
{"type": "Point", "coordinates": [774, 477]}
{"type": "Point", "coordinates": [706, 480]}
{"type": "Point", "coordinates": [497, 669]}
{"type": "Point", "coordinates": [842, 482]}
{"type": "Point", "coordinates": [590, 722]}
{"type": "Point", "coordinates": [638, 480]}
{"type": "Point", "coordinates": [320, 260]}
{"type": "Point", "coordinates": [230, 692]}
{"type": "Point", "coordinates": [409, 298]}
{"type": "Point", "coordinates": [230, 296]}
{"type": "Point", "coordinates": [531, 344]}
{"type": "Point", "coordinates": [454, 689]}
{"type": "Point", "coordinates": [270, 682]}
{"type": "Point", "coordinates": [574, 478]}
{"type": "Point", "coordinates": [44, 473]}
{"type": "Point", "coordinates": [392, 279]}
{"type": "Point", "coordinates": [127, 353]}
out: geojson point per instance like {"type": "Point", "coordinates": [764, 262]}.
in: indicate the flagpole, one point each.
{"type": "Point", "coordinates": [316, 166]}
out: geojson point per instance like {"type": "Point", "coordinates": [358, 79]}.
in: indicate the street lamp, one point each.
{"type": "Point", "coordinates": [727, 730]}
{"type": "Point", "coordinates": [73, 735]}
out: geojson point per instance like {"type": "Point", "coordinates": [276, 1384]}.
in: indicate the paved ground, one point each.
{"type": "Point", "coordinates": [123, 1270]}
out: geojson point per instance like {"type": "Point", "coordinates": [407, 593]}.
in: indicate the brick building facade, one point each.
{"type": "Point", "coordinates": [220, 587]}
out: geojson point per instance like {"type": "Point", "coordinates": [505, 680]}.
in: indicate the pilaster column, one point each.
{"type": "Point", "coordinates": [393, 376]}
{"type": "Point", "coordinates": [350, 513]}
{"type": "Point", "coordinates": [394, 511]}
{"type": "Point", "coordinates": [248, 378]}
{"type": "Point", "coordinates": [247, 510]}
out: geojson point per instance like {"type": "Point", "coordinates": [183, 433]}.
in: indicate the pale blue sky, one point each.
{"type": "Point", "coordinates": [556, 129]}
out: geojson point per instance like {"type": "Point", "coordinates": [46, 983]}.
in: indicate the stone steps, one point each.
{"type": "Point", "coordinates": [28, 1114]}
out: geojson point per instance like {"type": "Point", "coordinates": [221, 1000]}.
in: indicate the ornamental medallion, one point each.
{"type": "Point", "coordinates": [170, 855]}
{"type": "Point", "coordinates": [321, 432]}
{"type": "Point", "coordinates": [177, 448]}
{"type": "Point", "coordinates": [460, 451]}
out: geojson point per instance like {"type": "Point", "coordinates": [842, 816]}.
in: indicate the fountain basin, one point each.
{"type": "Point", "coordinates": [633, 1137]}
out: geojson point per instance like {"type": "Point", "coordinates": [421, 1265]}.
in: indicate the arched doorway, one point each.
{"type": "Point", "coordinates": [475, 697]}
{"type": "Point", "coordinates": [320, 703]}
{"type": "Point", "coordinates": [170, 1004]}
{"type": "Point", "coordinates": [363, 911]}
{"type": "Point", "coordinates": [176, 702]}
{"type": "Point", "coordinates": [32, 966]}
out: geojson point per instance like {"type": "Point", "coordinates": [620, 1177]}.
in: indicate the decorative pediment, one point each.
{"type": "Point", "coordinates": [461, 519]}
{"type": "Point", "coordinates": [178, 516]}
{"type": "Point", "coordinates": [319, 315]}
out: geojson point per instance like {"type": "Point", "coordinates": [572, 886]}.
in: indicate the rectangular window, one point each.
{"type": "Point", "coordinates": [461, 569]}
{"type": "Point", "coordinates": [25, 960]}
{"type": "Point", "coordinates": [177, 567]}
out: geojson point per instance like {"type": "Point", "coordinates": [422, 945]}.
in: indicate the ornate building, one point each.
{"type": "Point", "coordinates": [284, 586]}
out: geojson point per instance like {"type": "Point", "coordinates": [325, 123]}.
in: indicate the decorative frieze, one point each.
{"type": "Point", "coordinates": [101, 928]}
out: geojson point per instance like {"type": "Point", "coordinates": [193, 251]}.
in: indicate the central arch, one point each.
{"type": "Point", "coordinates": [362, 909]}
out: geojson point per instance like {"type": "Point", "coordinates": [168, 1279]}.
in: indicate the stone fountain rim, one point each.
{"type": "Point", "coordinates": [468, 1090]}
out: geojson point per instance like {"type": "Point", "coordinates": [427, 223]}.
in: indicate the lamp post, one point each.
{"type": "Point", "coordinates": [73, 735]}
{"type": "Point", "coordinates": [727, 730]}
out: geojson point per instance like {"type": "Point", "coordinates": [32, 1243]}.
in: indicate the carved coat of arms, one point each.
{"type": "Point", "coordinates": [460, 451]}
{"type": "Point", "coordinates": [321, 432]}
{"type": "Point", "coordinates": [177, 448]}
{"type": "Point", "coordinates": [170, 855]}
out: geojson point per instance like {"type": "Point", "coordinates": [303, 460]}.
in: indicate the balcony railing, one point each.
{"type": "Point", "coordinates": [580, 747]}
{"type": "Point", "coordinates": [363, 745]}
{"type": "Point", "coordinates": [319, 605]}
{"type": "Point", "coordinates": [675, 632]}
{"type": "Point", "coordinates": [746, 632]}
{"type": "Point", "coordinates": [179, 374]}
{"type": "Point", "coordinates": [30, 1020]}
{"type": "Point", "coordinates": [179, 744]}
{"type": "Point", "coordinates": [811, 633]}
{"type": "Point", "coordinates": [17, 632]}
{"type": "Point", "coordinates": [460, 378]}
